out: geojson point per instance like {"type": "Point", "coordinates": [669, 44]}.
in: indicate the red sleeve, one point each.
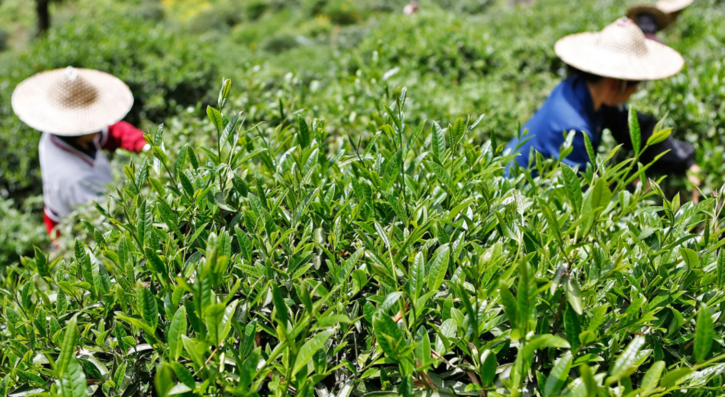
{"type": "Point", "coordinates": [49, 223]}
{"type": "Point", "coordinates": [125, 136]}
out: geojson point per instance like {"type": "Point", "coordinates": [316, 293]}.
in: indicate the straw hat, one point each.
{"type": "Point", "coordinates": [619, 51]}
{"type": "Point", "coordinates": [670, 6]}
{"type": "Point", "coordinates": [71, 101]}
{"type": "Point", "coordinates": [663, 19]}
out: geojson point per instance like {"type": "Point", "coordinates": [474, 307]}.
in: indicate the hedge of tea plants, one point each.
{"type": "Point", "coordinates": [474, 56]}
{"type": "Point", "coordinates": [280, 261]}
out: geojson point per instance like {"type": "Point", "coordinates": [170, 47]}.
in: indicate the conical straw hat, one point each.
{"type": "Point", "coordinates": [619, 51]}
{"type": "Point", "coordinates": [670, 6]}
{"type": "Point", "coordinates": [663, 19]}
{"type": "Point", "coordinates": [71, 101]}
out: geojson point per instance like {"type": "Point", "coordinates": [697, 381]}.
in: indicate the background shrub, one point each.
{"type": "Point", "coordinates": [20, 231]}
{"type": "Point", "coordinates": [225, 16]}
{"type": "Point", "coordinates": [342, 12]}
{"type": "Point", "coordinates": [279, 43]}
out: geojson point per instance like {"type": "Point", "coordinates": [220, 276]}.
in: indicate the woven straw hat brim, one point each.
{"type": "Point", "coordinates": [580, 51]}
{"type": "Point", "coordinates": [33, 104]}
{"type": "Point", "coordinates": [670, 6]}
{"type": "Point", "coordinates": [663, 18]}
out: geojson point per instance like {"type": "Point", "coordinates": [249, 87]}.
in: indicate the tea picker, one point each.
{"type": "Point", "coordinates": [411, 8]}
{"type": "Point", "coordinates": [655, 17]}
{"type": "Point", "coordinates": [79, 112]}
{"type": "Point", "coordinates": [605, 69]}
{"type": "Point", "coordinates": [650, 19]}
{"type": "Point", "coordinates": [673, 7]}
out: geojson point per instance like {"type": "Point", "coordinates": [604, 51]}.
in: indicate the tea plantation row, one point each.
{"type": "Point", "coordinates": [273, 263]}
{"type": "Point", "coordinates": [478, 56]}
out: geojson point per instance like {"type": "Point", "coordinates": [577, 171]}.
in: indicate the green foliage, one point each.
{"type": "Point", "coordinates": [455, 57]}
{"type": "Point", "coordinates": [20, 232]}
{"type": "Point", "coordinates": [327, 241]}
{"type": "Point", "coordinates": [275, 261]}
{"type": "Point", "coordinates": [224, 16]}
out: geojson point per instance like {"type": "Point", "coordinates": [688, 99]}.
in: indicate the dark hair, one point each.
{"type": "Point", "coordinates": [647, 22]}
{"type": "Point", "coordinates": [593, 78]}
{"type": "Point", "coordinates": [588, 77]}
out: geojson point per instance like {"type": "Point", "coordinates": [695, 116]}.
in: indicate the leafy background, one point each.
{"type": "Point", "coordinates": [283, 259]}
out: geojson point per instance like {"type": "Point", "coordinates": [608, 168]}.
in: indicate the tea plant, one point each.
{"type": "Point", "coordinates": [471, 56]}
{"type": "Point", "coordinates": [274, 263]}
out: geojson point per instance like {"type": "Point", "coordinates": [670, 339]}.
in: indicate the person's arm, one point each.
{"type": "Point", "coordinates": [125, 136]}
{"type": "Point", "coordinates": [679, 159]}
{"type": "Point", "coordinates": [50, 222]}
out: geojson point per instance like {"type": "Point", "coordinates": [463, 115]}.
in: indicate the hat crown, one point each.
{"type": "Point", "coordinates": [623, 37]}
{"type": "Point", "coordinates": [670, 6]}
{"type": "Point", "coordinates": [72, 91]}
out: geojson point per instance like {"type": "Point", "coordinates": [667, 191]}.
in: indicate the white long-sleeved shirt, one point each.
{"type": "Point", "coordinates": [71, 177]}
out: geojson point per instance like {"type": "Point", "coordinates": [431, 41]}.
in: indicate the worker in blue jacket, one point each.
{"type": "Point", "coordinates": [605, 69]}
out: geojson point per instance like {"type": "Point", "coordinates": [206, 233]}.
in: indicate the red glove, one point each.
{"type": "Point", "coordinates": [125, 136]}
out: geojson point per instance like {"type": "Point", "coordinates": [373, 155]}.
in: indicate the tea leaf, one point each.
{"type": "Point", "coordinates": [388, 334]}
{"type": "Point", "coordinates": [417, 275]}
{"type": "Point", "coordinates": [67, 348]}
{"type": "Point", "coordinates": [392, 170]}
{"type": "Point", "coordinates": [280, 307]}
{"type": "Point", "coordinates": [557, 377]}
{"type": "Point", "coordinates": [488, 367]}
{"type": "Point", "coordinates": [634, 130]}
{"type": "Point", "coordinates": [224, 93]}
{"type": "Point", "coordinates": [147, 306]}
{"type": "Point", "coordinates": [652, 377]}
{"type": "Point", "coordinates": [589, 148]}
{"type": "Point", "coordinates": [41, 263]}
{"type": "Point", "coordinates": [573, 187]}
{"type": "Point", "coordinates": [509, 306]}
{"type": "Point", "coordinates": [670, 379]}
{"type": "Point", "coordinates": [704, 333]}
{"type": "Point", "coordinates": [626, 360]}
{"type": "Point", "coordinates": [303, 135]}
{"type": "Point", "coordinates": [438, 143]}
{"type": "Point", "coordinates": [721, 269]}
{"type": "Point", "coordinates": [309, 349]}
{"type": "Point", "coordinates": [73, 380]}
{"type": "Point", "coordinates": [216, 118]}
{"type": "Point", "coordinates": [177, 329]}
{"type": "Point", "coordinates": [438, 268]}
{"type": "Point", "coordinates": [573, 295]}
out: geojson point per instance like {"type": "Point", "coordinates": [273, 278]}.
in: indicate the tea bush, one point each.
{"type": "Point", "coordinates": [499, 62]}
{"type": "Point", "coordinates": [280, 260]}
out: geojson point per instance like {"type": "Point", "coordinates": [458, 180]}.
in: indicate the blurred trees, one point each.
{"type": "Point", "coordinates": [42, 10]}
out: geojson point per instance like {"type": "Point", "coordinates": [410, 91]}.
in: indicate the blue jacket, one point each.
{"type": "Point", "coordinates": [570, 107]}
